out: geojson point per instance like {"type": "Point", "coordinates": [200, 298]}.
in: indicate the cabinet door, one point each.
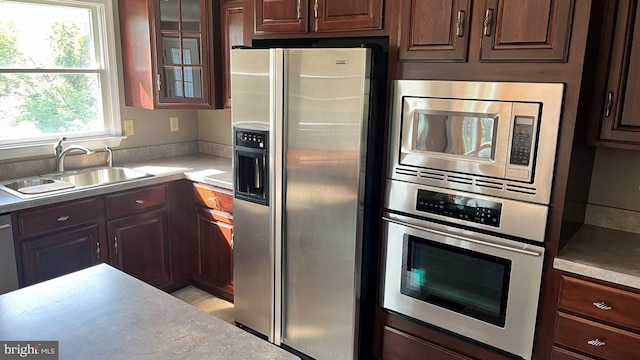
{"type": "Point", "coordinates": [231, 22]}
{"type": "Point", "coordinates": [281, 16]}
{"type": "Point", "coordinates": [526, 30]}
{"type": "Point", "coordinates": [139, 246]}
{"type": "Point", "coordinates": [182, 37]}
{"type": "Point", "coordinates": [621, 118]}
{"type": "Point", "coordinates": [434, 30]}
{"type": "Point", "coordinates": [50, 256]}
{"type": "Point", "coordinates": [215, 251]}
{"type": "Point", "coordinates": [340, 15]}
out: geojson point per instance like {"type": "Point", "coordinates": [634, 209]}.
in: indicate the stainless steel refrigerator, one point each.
{"type": "Point", "coordinates": [307, 128]}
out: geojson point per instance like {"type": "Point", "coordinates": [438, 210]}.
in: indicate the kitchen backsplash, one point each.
{"type": "Point", "coordinates": [18, 169]}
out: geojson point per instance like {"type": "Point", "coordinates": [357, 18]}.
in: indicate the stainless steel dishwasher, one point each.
{"type": "Point", "coordinates": [8, 270]}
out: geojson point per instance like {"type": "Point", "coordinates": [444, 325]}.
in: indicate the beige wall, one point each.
{"type": "Point", "coordinates": [616, 179]}
{"type": "Point", "coordinates": [215, 126]}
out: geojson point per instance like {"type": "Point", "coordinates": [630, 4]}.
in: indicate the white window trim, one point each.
{"type": "Point", "coordinates": [107, 62]}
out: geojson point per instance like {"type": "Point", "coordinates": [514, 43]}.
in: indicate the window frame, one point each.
{"type": "Point", "coordinates": [106, 67]}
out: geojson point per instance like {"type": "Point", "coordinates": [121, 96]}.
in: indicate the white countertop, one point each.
{"type": "Point", "coordinates": [204, 168]}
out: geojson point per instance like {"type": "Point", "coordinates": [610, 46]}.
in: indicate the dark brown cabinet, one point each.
{"type": "Point", "coordinates": [139, 246]}
{"type": "Point", "coordinates": [232, 34]}
{"type": "Point", "coordinates": [167, 53]}
{"type": "Point", "coordinates": [214, 240]}
{"type": "Point", "coordinates": [58, 239]}
{"type": "Point", "coordinates": [137, 231]}
{"type": "Point", "coordinates": [526, 30]}
{"type": "Point", "coordinates": [435, 30]}
{"type": "Point", "coordinates": [50, 256]}
{"type": "Point", "coordinates": [301, 16]}
{"type": "Point", "coordinates": [618, 111]}
{"type": "Point", "coordinates": [507, 31]}
{"type": "Point", "coordinates": [597, 320]}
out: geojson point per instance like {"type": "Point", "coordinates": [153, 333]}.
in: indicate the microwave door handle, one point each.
{"type": "Point", "coordinates": [480, 242]}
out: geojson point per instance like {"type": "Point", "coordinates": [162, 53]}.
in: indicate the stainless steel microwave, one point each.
{"type": "Point", "coordinates": [484, 137]}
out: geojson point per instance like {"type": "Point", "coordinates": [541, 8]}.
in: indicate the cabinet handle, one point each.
{"type": "Point", "coordinates": [63, 218]}
{"type": "Point", "coordinates": [602, 305]}
{"type": "Point", "coordinates": [488, 20]}
{"type": "Point", "coordinates": [115, 243]}
{"type": "Point", "coordinates": [215, 202]}
{"type": "Point", "coordinates": [298, 10]}
{"type": "Point", "coordinates": [232, 240]}
{"type": "Point", "coordinates": [140, 201]}
{"type": "Point", "coordinates": [5, 226]}
{"type": "Point", "coordinates": [315, 9]}
{"type": "Point", "coordinates": [460, 24]}
{"type": "Point", "coordinates": [596, 342]}
{"type": "Point", "coordinates": [98, 250]}
{"type": "Point", "coordinates": [159, 82]}
{"type": "Point", "coordinates": [609, 104]}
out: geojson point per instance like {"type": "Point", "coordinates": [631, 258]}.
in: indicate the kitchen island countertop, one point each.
{"type": "Point", "coordinates": [103, 313]}
{"type": "Point", "coordinates": [603, 254]}
{"type": "Point", "coordinates": [214, 170]}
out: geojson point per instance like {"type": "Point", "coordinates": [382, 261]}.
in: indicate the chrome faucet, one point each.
{"type": "Point", "coordinates": [61, 153]}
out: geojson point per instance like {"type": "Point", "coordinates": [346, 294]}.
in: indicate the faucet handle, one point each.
{"type": "Point", "coordinates": [57, 148]}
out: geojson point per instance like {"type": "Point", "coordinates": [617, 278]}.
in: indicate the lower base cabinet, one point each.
{"type": "Point", "coordinates": [139, 246]}
{"type": "Point", "coordinates": [213, 270]}
{"type": "Point", "coordinates": [50, 256]}
{"type": "Point", "coordinates": [398, 345]}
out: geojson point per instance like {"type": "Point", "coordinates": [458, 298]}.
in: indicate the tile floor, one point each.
{"type": "Point", "coordinates": [206, 302]}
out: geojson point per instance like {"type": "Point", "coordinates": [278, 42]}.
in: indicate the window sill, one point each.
{"type": "Point", "coordinates": [42, 149]}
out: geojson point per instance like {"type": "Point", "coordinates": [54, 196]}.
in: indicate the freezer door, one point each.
{"type": "Point", "coordinates": [326, 98]}
{"type": "Point", "coordinates": [252, 80]}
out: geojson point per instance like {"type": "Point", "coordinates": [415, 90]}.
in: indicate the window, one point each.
{"type": "Point", "coordinates": [57, 75]}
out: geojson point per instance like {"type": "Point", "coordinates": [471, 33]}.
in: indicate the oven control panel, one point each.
{"type": "Point", "coordinates": [459, 207]}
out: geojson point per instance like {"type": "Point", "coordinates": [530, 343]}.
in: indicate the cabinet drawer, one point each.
{"type": "Point", "coordinates": [562, 354]}
{"type": "Point", "coordinates": [601, 302]}
{"type": "Point", "coordinates": [134, 201]}
{"type": "Point", "coordinates": [584, 335]}
{"type": "Point", "coordinates": [213, 197]}
{"type": "Point", "coordinates": [57, 217]}
{"type": "Point", "coordinates": [397, 345]}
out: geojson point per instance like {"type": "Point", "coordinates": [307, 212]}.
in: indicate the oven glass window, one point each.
{"type": "Point", "coordinates": [457, 279]}
{"type": "Point", "coordinates": [462, 134]}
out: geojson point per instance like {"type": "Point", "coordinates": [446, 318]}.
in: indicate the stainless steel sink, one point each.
{"type": "Point", "coordinates": [69, 181]}
{"type": "Point", "coordinates": [24, 183]}
{"type": "Point", "coordinates": [100, 176]}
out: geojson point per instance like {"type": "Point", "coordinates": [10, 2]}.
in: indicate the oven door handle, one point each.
{"type": "Point", "coordinates": [480, 242]}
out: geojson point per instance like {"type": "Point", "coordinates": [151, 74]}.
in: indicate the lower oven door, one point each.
{"type": "Point", "coordinates": [475, 285]}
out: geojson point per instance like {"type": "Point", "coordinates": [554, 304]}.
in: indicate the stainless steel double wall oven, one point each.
{"type": "Point", "coordinates": [466, 203]}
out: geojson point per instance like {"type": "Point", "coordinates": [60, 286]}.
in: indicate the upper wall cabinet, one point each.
{"type": "Point", "coordinates": [231, 23]}
{"type": "Point", "coordinates": [620, 110]}
{"type": "Point", "coordinates": [167, 53]}
{"type": "Point", "coordinates": [507, 30]}
{"type": "Point", "coordinates": [302, 16]}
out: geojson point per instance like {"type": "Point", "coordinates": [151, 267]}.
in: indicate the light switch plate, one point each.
{"type": "Point", "coordinates": [128, 128]}
{"type": "Point", "coordinates": [175, 126]}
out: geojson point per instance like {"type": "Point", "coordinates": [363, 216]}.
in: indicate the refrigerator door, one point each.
{"type": "Point", "coordinates": [326, 112]}
{"type": "Point", "coordinates": [253, 77]}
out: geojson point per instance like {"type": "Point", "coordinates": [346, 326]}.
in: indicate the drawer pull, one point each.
{"type": "Point", "coordinates": [602, 305]}
{"type": "Point", "coordinates": [596, 343]}
{"type": "Point", "coordinates": [140, 201]}
{"type": "Point", "coordinates": [63, 218]}
{"type": "Point", "coordinates": [98, 250]}
{"type": "Point", "coordinates": [216, 202]}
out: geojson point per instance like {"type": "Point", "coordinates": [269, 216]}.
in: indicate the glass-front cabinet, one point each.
{"type": "Point", "coordinates": [179, 38]}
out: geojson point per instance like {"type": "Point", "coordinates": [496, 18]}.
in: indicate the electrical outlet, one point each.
{"type": "Point", "coordinates": [128, 128]}
{"type": "Point", "coordinates": [175, 126]}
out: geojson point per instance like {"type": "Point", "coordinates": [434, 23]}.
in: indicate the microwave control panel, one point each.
{"type": "Point", "coordinates": [522, 140]}
{"type": "Point", "coordinates": [459, 207]}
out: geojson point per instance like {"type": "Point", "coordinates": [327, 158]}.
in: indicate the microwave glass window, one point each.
{"type": "Point", "coordinates": [460, 134]}
{"type": "Point", "coordinates": [457, 279]}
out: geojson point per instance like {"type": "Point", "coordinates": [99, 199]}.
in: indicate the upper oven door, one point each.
{"type": "Point", "coordinates": [469, 136]}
